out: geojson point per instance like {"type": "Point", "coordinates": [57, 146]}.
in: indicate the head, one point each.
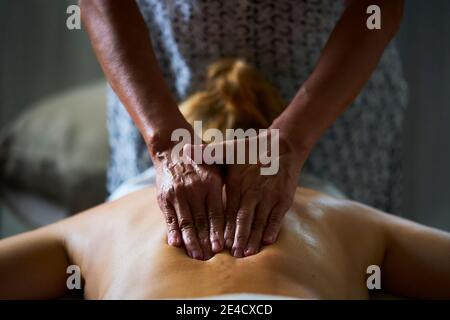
{"type": "Point", "coordinates": [236, 96]}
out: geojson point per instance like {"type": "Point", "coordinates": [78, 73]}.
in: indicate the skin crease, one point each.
{"type": "Point", "coordinates": [324, 248]}
{"type": "Point", "coordinates": [189, 204]}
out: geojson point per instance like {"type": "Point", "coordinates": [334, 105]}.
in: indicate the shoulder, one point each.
{"type": "Point", "coordinates": [359, 228]}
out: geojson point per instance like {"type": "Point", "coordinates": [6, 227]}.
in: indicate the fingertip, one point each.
{"type": "Point", "coordinates": [217, 241]}
{"type": "Point", "coordinates": [207, 257]}
{"type": "Point", "coordinates": [171, 242]}
{"type": "Point", "coordinates": [197, 254]}
{"type": "Point", "coordinates": [207, 254]}
{"type": "Point", "coordinates": [249, 251]}
{"type": "Point", "coordinates": [216, 246]}
{"type": "Point", "coordinates": [174, 241]}
{"type": "Point", "coordinates": [229, 243]}
{"type": "Point", "coordinates": [269, 239]}
{"type": "Point", "coordinates": [237, 253]}
{"type": "Point", "coordinates": [205, 246]}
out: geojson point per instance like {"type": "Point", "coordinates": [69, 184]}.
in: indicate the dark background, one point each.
{"type": "Point", "coordinates": [39, 56]}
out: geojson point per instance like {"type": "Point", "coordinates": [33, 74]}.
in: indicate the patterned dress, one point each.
{"type": "Point", "coordinates": [283, 39]}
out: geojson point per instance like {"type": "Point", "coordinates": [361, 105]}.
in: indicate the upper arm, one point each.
{"type": "Point", "coordinates": [417, 260]}
{"type": "Point", "coordinates": [391, 11]}
{"type": "Point", "coordinates": [414, 260]}
{"type": "Point", "coordinates": [33, 266]}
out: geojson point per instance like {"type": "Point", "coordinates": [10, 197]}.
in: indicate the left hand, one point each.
{"type": "Point", "coordinates": [256, 203]}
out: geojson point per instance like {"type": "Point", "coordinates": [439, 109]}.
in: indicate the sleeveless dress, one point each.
{"type": "Point", "coordinates": [360, 153]}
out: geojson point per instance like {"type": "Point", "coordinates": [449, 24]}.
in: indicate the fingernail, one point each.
{"type": "Point", "coordinates": [249, 252]}
{"type": "Point", "coordinates": [196, 254]}
{"type": "Point", "coordinates": [270, 239]}
{"type": "Point", "coordinates": [229, 243]}
{"type": "Point", "coordinates": [237, 253]}
{"type": "Point", "coordinates": [173, 241]}
{"type": "Point", "coordinates": [216, 247]}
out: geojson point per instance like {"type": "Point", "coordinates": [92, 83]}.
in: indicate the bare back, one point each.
{"type": "Point", "coordinates": [323, 251]}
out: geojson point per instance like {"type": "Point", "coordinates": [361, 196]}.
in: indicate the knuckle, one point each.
{"type": "Point", "coordinates": [163, 199]}
{"type": "Point", "coordinates": [214, 215]}
{"type": "Point", "coordinates": [215, 223]}
{"type": "Point", "coordinates": [243, 217]}
{"type": "Point", "coordinates": [242, 221]}
{"type": "Point", "coordinates": [171, 219]}
{"type": "Point", "coordinates": [172, 229]}
{"type": "Point", "coordinates": [163, 205]}
{"type": "Point", "coordinates": [172, 233]}
{"type": "Point", "coordinates": [186, 224]}
{"type": "Point", "coordinates": [190, 184]}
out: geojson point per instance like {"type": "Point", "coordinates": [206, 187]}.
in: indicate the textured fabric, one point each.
{"type": "Point", "coordinates": [283, 39]}
{"type": "Point", "coordinates": [148, 178]}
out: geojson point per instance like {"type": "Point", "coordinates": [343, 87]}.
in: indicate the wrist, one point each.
{"type": "Point", "coordinates": [160, 143]}
{"type": "Point", "coordinates": [293, 141]}
{"type": "Point", "coordinates": [301, 124]}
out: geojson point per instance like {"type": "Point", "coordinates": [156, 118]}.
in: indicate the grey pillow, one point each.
{"type": "Point", "coordinates": [59, 149]}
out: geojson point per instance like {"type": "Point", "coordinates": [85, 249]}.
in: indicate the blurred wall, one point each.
{"type": "Point", "coordinates": [38, 54]}
{"type": "Point", "coordinates": [38, 58]}
{"type": "Point", "coordinates": [425, 48]}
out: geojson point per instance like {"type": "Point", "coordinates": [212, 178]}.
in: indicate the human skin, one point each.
{"type": "Point", "coordinates": [187, 193]}
{"type": "Point", "coordinates": [345, 65]}
{"type": "Point", "coordinates": [324, 249]}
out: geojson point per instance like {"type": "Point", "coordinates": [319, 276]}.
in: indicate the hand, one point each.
{"type": "Point", "coordinates": [256, 203]}
{"type": "Point", "coordinates": [190, 196]}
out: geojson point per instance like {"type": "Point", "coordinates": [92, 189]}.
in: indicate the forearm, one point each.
{"type": "Point", "coordinates": [345, 65]}
{"type": "Point", "coordinates": [121, 41]}
{"type": "Point", "coordinates": [33, 266]}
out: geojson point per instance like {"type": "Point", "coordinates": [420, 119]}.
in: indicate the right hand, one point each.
{"type": "Point", "coordinates": [190, 196]}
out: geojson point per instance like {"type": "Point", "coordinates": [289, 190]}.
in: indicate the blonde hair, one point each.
{"type": "Point", "coordinates": [236, 96]}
